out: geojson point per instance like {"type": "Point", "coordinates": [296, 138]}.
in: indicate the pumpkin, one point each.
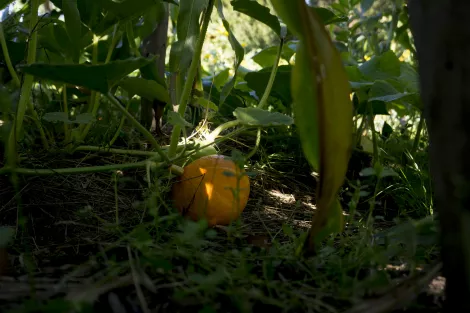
{"type": "Point", "coordinates": [206, 190]}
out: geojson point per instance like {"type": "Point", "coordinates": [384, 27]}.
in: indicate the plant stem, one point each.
{"type": "Point", "coordinates": [258, 140]}
{"type": "Point", "coordinates": [190, 77]}
{"type": "Point", "coordinates": [6, 55]}
{"type": "Point", "coordinates": [221, 128]}
{"type": "Point", "coordinates": [418, 135]}
{"type": "Point", "coordinates": [25, 101]}
{"type": "Point", "coordinates": [131, 39]}
{"type": "Point", "coordinates": [116, 151]}
{"type": "Point", "coordinates": [77, 170]}
{"type": "Point", "coordinates": [264, 100]}
{"type": "Point", "coordinates": [374, 135]}
{"type": "Point", "coordinates": [138, 126]}
{"type": "Point", "coordinates": [123, 119]}
{"type": "Point", "coordinates": [66, 111]}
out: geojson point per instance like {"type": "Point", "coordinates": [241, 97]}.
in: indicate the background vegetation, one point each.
{"type": "Point", "coordinates": [85, 202]}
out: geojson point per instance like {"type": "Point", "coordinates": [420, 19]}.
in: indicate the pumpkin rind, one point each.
{"type": "Point", "coordinates": [204, 191]}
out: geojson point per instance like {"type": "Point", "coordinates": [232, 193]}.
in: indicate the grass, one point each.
{"type": "Point", "coordinates": [158, 261]}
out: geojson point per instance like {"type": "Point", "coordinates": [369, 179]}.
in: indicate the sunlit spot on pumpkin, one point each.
{"type": "Point", "coordinates": [209, 189]}
{"type": "Point", "coordinates": [202, 170]}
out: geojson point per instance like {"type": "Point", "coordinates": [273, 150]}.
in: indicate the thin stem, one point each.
{"type": "Point", "coordinates": [77, 170]}
{"type": "Point", "coordinates": [258, 140]}
{"type": "Point", "coordinates": [24, 102]}
{"type": "Point", "coordinates": [190, 77]}
{"type": "Point", "coordinates": [374, 135]}
{"type": "Point", "coordinates": [66, 111]}
{"type": "Point", "coordinates": [138, 126]}
{"type": "Point", "coordinates": [123, 119]}
{"type": "Point", "coordinates": [6, 54]}
{"type": "Point", "coordinates": [221, 128]}
{"type": "Point", "coordinates": [131, 38]}
{"type": "Point", "coordinates": [418, 135]}
{"type": "Point", "coordinates": [116, 151]}
{"type": "Point", "coordinates": [264, 100]}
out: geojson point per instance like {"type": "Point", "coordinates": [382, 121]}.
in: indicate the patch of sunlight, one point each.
{"type": "Point", "coordinates": [309, 205]}
{"type": "Point", "coordinates": [1, 122]}
{"type": "Point", "coordinates": [209, 189]}
{"type": "Point", "coordinates": [282, 197]}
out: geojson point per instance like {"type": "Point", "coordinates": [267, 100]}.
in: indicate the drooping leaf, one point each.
{"type": "Point", "coordinates": [258, 12]}
{"type": "Point", "coordinates": [239, 53]}
{"type": "Point", "coordinates": [187, 31]}
{"type": "Point", "coordinates": [261, 118]}
{"type": "Point", "coordinates": [73, 25]}
{"type": "Point", "coordinates": [145, 88]}
{"type": "Point", "coordinates": [323, 112]}
{"type": "Point", "coordinates": [100, 77]}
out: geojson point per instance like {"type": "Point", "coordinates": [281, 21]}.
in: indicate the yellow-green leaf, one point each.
{"type": "Point", "coordinates": [323, 111]}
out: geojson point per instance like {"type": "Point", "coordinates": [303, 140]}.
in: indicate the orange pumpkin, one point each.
{"type": "Point", "coordinates": [207, 190]}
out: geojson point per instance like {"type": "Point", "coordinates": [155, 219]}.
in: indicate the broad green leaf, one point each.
{"type": "Point", "coordinates": [328, 17]}
{"type": "Point", "coordinates": [207, 104]}
{"type": "Point", "coordinates": [383, 66]}
{"type": "Point", "coordinates": [99, 77]}
{"type": "Point", "coordinates": [176, 119]}
{"type": "Point", "coordinates": [73, 25]}
{"type": "Point", "coordinates": [221, 78]}
{"type": "Point", "coordinates": [323, 112]}
{"type": "Point", "coordinates": [145, 88]}
{"type": "Point", "coordinates": [262, 118]}
{"type": "Point", "coordinates": [231, 103]}
{"type": "Point", "coordinates": [258, 12]}
{"type": "Point", "coordinates": [127, 10]}
{"type": "Point", "coordinates": [267, 57]}
{"type": "Point", "coordinates": [187, 30]}
{"type": "Point", "coordinates": [383, 91]}
{"type": "Point", "coordinates": [281, 88]}
{"type": "Point", "coordinates": [239, 53]}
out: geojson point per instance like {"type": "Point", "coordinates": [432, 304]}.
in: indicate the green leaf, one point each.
{"type": "Point", "coordinates": [383, 91]}
{"type": "Point", "coordinates": [99, 77]}
{"type": "Point", "coordinates": [261, 118]}
{"type": "Point", "coordinates": [128, 8]}
{"type": "Point", "coordinates": [73, 26]}
{"type": "Point", "coordinates": [281, 88]}
{"type": "Point", "coordinates": [323, 112]}
{"type": "Point", "coordinates": [328, 17]}
{"type": "Point", "coordinates": [258, 12]}
{"type": "Point", "coordinates": [145, 88]}
{"type": "Point", "coordinates": [239, 54]}
{"type": "Point", "coordinates": [207, 104]}
{"type": "Point", "coordinates": [177, 120]}
{"type": "Point", "coordinates": [387, 130]}
{"type": "Point", "coordinates": [384, 66]}
{"type": "Point", "coordinates": [267, 57]}
{"type": "Point", "coordinates": [181, 52]}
